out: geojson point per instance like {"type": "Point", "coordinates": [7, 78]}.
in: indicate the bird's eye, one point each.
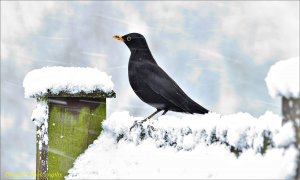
{"type": "Point", "coordinates": [128, 38]}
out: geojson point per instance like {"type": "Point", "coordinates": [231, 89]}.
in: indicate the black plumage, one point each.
{"type": "Point", "coordinates": [151, 83]}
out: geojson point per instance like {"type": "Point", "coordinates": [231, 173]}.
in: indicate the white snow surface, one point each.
{"type": "Point", "coordinates": [68, 79]}
{"type": "Point", "coordinates": [193, 146]}
{"type": "Point", "coordinates": [40, 113]}
{"type": "Point", "coordinates": [40, 118]}
{"type": "Point", "coordinates": [283, 78]}
{"type": "Point", "coordinates": [286, 136]}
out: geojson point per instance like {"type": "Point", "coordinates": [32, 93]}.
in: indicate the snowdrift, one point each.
{"type": "Point", "coordinates": [194, 146]}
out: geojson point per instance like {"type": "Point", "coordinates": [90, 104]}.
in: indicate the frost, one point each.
{"type": "Point", "coordinates": [193, 146]}
{"type": "Point", "coordinates": [283, 78]}
{"type": "Point", "coordinates": [72, 80]}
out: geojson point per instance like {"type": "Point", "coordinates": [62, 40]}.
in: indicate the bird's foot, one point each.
{"type": "Point", "coordinates": [134, 125]}
{"type": "Point", "coordinates": [137, 124]}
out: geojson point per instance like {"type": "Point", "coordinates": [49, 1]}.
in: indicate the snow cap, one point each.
{"type": "Point", "coordinates": [283, 79]}
{"type": "Point", "coordinates": [76, 81]}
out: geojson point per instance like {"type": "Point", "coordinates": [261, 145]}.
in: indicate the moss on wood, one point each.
{"type": "Point", "coordinates": [73, 124]}
{"type": "Point", "coordinates": [93, 94]}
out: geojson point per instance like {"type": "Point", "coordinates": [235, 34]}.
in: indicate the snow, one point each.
{"type": "Point", "coordinates": [54, 80]}
{"type": "Point", "coordinates": [283, 78]}
{"type": "Point", "coordinates": [193, 146]}
{"type": "Point", "coordinates": [40, 118]}
{"type": "Point", "coordinates": [240, 130]}
{"type": "Point", "coordinates": [286, 136]}
{"type": "Point", "coordinates": [40, 113]}
{"type": "Point", "coordinates": [72, 80]}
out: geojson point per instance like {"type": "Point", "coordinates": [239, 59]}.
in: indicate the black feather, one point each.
{"type": "Point", "coordinates": [151, 83]}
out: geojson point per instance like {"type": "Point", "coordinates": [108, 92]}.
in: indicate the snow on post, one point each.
{"type": "Point", "coordinates": [67, 81]}
{"type": "Point", "coordinates": [71, 106]}
{"type": "Point", "coordinates": [283, 80]}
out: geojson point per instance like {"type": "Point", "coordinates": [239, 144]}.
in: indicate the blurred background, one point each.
{"type": "Point", "coordinates": [218, 52]}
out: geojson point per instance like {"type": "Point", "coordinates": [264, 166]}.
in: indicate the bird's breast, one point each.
{"type": "Point", "coordinates": [134, 76]}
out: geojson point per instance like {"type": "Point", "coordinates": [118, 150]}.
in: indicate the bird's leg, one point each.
{"type": "Point", "coordinates": [149, 117]}
{"type": "Point", "coordinates": [165, 112]}
{"type": "Point", "coordinates": [136, 123]}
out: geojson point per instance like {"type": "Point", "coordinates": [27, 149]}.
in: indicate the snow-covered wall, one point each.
{"type": "Point", "coordinates": [194, 146]}
{"type": "Point", "coordinates": [71, 80]}
{"type": "Point", "coordinates": [283, 78]}
{"type": "Point", "coordinates": [240, 131]}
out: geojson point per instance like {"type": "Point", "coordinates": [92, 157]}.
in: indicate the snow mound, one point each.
{"type": "Point", "coordinates": [285, 137]}
{"type": "Point", "coordinates": [194, 146]}
{"type": "Point", "coordinates": [72, 80]}
{"type": "Point", "coordinates": [239, 131]}
{"type": "Point", "coordinates": [283, 78]}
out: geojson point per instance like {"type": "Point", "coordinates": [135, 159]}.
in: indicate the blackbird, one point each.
{"type": "Point", "coordinates": [151, 83]}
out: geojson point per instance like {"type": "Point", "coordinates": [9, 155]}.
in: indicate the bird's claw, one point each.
{"type": "Point", "coordinates": [136, 124]}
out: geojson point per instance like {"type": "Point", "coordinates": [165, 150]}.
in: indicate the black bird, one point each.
{"type": "Point", "coordinates": [151, 83]}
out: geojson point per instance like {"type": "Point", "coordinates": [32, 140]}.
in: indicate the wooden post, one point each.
{"type": "Point", "coordinates": [74, 122]}
{"type": "Point", "coordinates": [291, 112]}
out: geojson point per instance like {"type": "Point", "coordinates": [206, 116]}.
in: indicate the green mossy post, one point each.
{"type": "Point", "coordinates": [74, 122]}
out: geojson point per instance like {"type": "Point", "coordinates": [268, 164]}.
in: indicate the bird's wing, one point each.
{"type": "Point", "coordinates": [159, 81]}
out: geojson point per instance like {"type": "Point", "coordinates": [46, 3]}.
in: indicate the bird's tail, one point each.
{"type": "Point", "coordinates": [196, 108]}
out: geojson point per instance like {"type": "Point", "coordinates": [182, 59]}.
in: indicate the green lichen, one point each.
{"type": "Point", "coordinates": [70, 133]}
{"type": "Point", "coordinates": [82, 94]}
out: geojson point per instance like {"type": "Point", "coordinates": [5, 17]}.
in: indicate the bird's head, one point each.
{"type": "Point", "coordinates": [134, 41]}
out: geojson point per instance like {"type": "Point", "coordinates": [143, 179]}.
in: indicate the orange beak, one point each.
{"type": "Point", "coordinates": [117, 37]}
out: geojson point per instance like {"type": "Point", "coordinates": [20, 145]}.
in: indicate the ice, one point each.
{"type": "Point", "coordinates": [191, 146]}
{"type": "Point", "coordinates": [72, 80]}
{"type": "Point", "coordinates": [283, 78]}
